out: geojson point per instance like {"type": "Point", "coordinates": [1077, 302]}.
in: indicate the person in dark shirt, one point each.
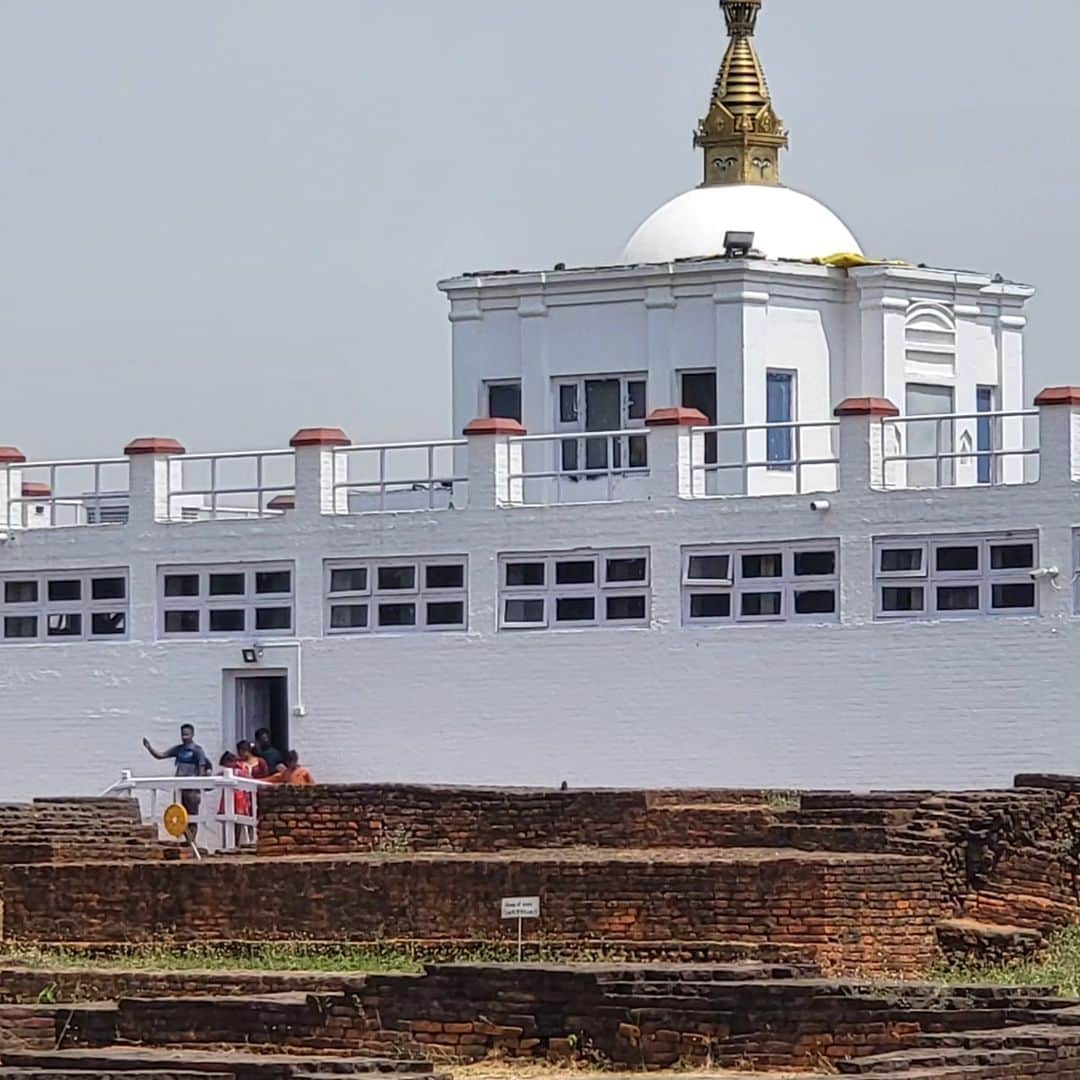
{"type": "Point", "coordinates": [191, 760]}
{"type": "Point", "coordinates": [269, 753]}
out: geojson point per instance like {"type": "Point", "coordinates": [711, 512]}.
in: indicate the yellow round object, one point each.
{"type": "Point", "coordinates": [175, 820]}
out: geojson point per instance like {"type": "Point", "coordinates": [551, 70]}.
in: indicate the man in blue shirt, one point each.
{"type": "Point", "coordinates": [191, 760]}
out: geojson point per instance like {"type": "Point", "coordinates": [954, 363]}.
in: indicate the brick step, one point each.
{"type": "Point", "coordinates": [133, 1074]}
{"type": "Point", "coordinates": [1014, 1038]}
{"type": "Point", "coordinates": [239, 1064]}
{"type": "Point", "coordinates": [905, 1064]}
{"type": "Point", "coordinates": [648, 980]}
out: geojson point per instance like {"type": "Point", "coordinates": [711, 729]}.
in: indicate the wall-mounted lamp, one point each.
{"type": "Point", "coordinates": [738, 244]}
{"type": "Point", "coordinates": [252, 655]}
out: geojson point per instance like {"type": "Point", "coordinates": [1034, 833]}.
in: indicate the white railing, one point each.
{"type": "Point", "coordinates": [960, 449]}
{"type": "Point", "coordinates": [64, 494]}
{"type": "Point", "coordinates": [221, 825]}
{"type": "Point", "coordinates": [765, 459]}
{"type": "Point", "coordinates": [248, 481]}
{"type": "Point", "coordinates": [397, 476]}
{"type": "Point", "coordinates": [579, 460]}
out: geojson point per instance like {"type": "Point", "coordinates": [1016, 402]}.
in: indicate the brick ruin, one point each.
{"type": "Point", "coordinates": [702, 929]}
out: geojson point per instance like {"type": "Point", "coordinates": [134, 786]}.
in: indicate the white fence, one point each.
{"type": "Point", "coordinates": [572, 467]}
{"type": "Point", "coordinates": [960, 449]}
{"type": "Point", "coordinates": [63, 494]}
{"type": "Point", "coordinates": [227, 486]}
{"type": "Point", "coordinates": [766, 459]}
{"type": "Point", "coordinates": [224, 823]}
{"type": "Point", "coordinates": [398, 476]}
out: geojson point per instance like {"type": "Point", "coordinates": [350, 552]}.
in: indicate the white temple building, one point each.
{"type": "Point", "coordinates": [746, 508]}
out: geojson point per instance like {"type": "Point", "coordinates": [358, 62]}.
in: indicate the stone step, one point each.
{"type": "Point", "coordinates": [134, 1074]}
{"type": "Point", "coordinates": [905, 1064]}
{"type": "Point", "coordinates": [239, 1064]}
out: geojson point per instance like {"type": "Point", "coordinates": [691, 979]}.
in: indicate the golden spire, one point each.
{"type": "Point", "coordinates": [742, 136]}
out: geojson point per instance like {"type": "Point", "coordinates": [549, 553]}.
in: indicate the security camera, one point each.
{"type": "Point", "coordinates": [1045, 573]}
{"type": "Point", "coordinates": [820, 506]}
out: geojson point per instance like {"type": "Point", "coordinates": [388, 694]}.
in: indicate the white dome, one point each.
{"type": "Point", "coordinates": [786, 225]}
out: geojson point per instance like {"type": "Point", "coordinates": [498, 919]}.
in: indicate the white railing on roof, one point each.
{"type": "Point", "coordinates": [763, 459]}
{"type": "Point", "coordinates": [398, 476]}
{"type": "Point", "coordinates": [960, 449]}
{"type": "Point", "coordinates": [224, 824]}
{"type": "Point", "coordinates": [64, 494]}
{"type": "Point", "coordinates": [229, 486]}
{"type": "Point", "coordinates": [576, 462]}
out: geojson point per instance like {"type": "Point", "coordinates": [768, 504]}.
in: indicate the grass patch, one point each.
{"type": "Point", "coordinates": [1058, 967]}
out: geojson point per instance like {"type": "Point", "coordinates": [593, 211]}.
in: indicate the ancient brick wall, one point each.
{"type": "Point", "coordinates": [26, 1028]}
{"type": "Point", "coordinates": [850, 912]}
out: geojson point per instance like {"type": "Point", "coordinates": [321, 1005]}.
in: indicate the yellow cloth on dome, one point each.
{"type": "Point", "coordinates": [846, 260]}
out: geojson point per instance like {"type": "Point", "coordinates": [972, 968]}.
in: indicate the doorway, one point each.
{"type": "Point", "coordinates": [698, 391]}
{"type": "Point", "coordinates": [258, 701]}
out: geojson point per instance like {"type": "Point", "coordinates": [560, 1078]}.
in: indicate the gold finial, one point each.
{"type": "Point", "coordinates": [742, 136]}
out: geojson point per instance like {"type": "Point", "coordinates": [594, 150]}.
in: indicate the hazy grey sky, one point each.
{"type": "Point", "coordinates": [224, 219]}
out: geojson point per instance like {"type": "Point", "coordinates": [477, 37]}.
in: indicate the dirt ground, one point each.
{"type": "Point", "coordinates": [528, 1070]}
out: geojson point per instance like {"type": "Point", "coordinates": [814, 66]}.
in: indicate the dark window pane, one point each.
{"type": "Point", "coordinates": [1014, 596]}
{"type": "Point", "coordinates": [626, 569]}
{"type": "Point", "coordinates": [450, 576]}
{"type": "Point", "coordinates": [699, 392]}
{"type": "Point", "coordinates": [635, 405]}
{"type": "Point", "coordinates": [273, 581]}
{"type": "Point", "coordinates": [349, 579]}
{"type": "Point", "coordinates": [709, 568]}
{"type": "Point", "coordinates": [227, 622]}
{"type": "Point", "coordinates": [504, 401]}
{"type": "Point", "coordinates": [780, 409]}
{"type": "Point", "coordinates": [639, 452]}
{"type": "Point", "coordinates": [524, 574]}
{"type": "Point", "coordinates": [816, 602]}
{"type": "Point", "coordinates": [958, 598]}
{"type": "Point", "coordinates": [603, 405]}
{"type": "Point", "coordinates": [20, 592]}
{"type": "Point", "coordinates": [763, 566]}
{"type": "Point", "coordinates": [901, 560]}
{"type": "Point", "coordinates": [108, 623]}
{"type": "Point", "coordinates": [575, 609]}
{"type": "Point", "coordinates": [65, 590]}
{"type": "Point", "coordinates": [524, 611]}
{"type": "Point", "coordinates": [65, 625]}
{"type": "Point", "coordinates": [181, 622]}
{"type": "Point", "coordinates": [761, 605]}
{"type": "Point", "coordinates": [568, 407]}
{"type": "Point", "coordinates": [20, 626]}
{"type": "Point", "coordinates": [181, 584]}
{"type": "Point", "coordinates": [349, 616]}
{"type": "Point", "coordinates": [450, 613]}
{"type": "Point", "coordinates": [953, 559]}
{"type": "Point", "coordinates": [397, 578]}
{"type": "Point", "coordinates": [710, 606]}
{"type": "Point", "coordinates": [904, 598]}
{"type": "Point", "coordinates": [110, 588]}
{"type": "Point", "coordinates": [815, 563]}
{"type": "Point", "coordinates": [273, 618]}
{"type": "Point", "coordinates": [397, 614]}
{"type": "Point", "coordinates": [226, 584]}
{"type": "Point", "coordinates": [569, 449]}
{"type": "Point", "coordinates": [578, 572]}
{"type": "Point", "coordinates": [623, 608]}
{"type": "Point", "coordinates": [1012, 557]}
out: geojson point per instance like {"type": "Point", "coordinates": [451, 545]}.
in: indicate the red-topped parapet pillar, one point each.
{"type": "Point", "coordinates": [494, 462]}
{"type": "Point", "coordinates": [860, 446]}
{"type": "Point", "coordinates": [1059, 435]}
{"type": "Point", "coordinates": [154, 472]}
{"type": "Point", "coordinates": [321, 471]}
{"type": "Point", "coordinates": [676, 452]}
{"type": "Point", "coordinates": [11, 487]}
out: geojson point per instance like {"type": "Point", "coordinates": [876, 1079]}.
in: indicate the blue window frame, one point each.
{"type": "Point", "coordinates": [985, 401]}
{"type": "Point", "coordinates": [780, 409]}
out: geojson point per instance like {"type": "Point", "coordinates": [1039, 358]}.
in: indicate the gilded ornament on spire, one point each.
{"type": "Point", "coordinates": [742, 136]}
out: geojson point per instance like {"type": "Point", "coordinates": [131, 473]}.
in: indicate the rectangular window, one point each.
{"type": "Point", "coordinates": [504, 400]}
{"type": "Point", "coordinates": [925, 440]}
{"type": "Point", "coordinates": [607, 403]}
{"type": "Point", "coordinates": [65, 606]}
{"type": "Point", "coordinates": [699, 392]}
{"type": "Point", "coordinates": [789, 582]}
{"type": "Point", "coordinates": [987, 439]}
{"type": "Point", "coordinates": [226, 601]}
{"type": "Point", "coordinates": [780, 409]}
{"type": "Point", "coordinates": [574, 590]}
{"type": "Point", "coordinates": [396, 595]}
{"type": "Point", "coordinates": [960, 576]}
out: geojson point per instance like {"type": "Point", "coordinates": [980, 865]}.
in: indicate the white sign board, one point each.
{"type": "Point", "coordinates": [521, 907]}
